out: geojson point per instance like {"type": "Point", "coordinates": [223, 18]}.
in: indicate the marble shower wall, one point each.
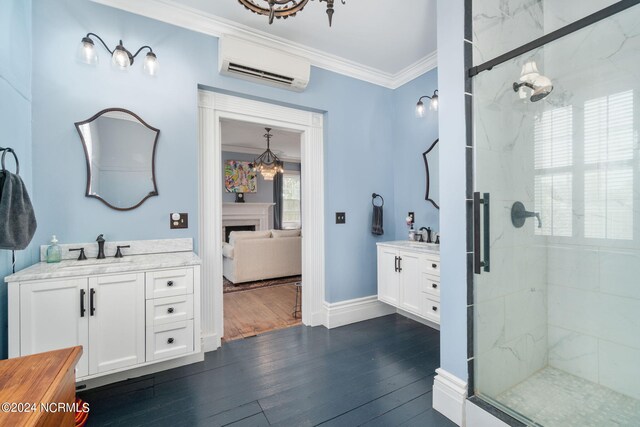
{"type": "Point", "coordinates": [566, 295]}
{"type": "Point", "coordinates": [593, 288]}
{"type": "Point", "coordinates": [511, 300]}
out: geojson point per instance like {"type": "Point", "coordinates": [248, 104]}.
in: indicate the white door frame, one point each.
{"type": "Point", "coordinates": [213, 107]}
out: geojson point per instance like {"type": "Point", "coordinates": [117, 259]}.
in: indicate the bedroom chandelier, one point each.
{"type": "Point", "coordinates": [282, 8]}
{"type": "Point", "coordinates": [268, 164]}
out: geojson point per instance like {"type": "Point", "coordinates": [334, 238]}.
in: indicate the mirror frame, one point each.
{"type": "Point", "coordinates": [426, 168]}
{"type": "Point", "coordinates": [88, 163]}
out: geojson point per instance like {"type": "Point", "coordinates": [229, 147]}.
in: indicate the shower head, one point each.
{"type": "Point", "coordinates": [541, 87]}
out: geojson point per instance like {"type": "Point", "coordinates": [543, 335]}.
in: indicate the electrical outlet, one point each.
{"type": "Point", "coordinates": [413, 217]}
{"type": "Point", "coordinates": [178, 220]}
{"type": "Point", "coordinates": [341, 218]}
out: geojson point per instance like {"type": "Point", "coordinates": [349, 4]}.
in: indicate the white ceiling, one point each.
{"type": "Point", "coordinates": [244, 137]}
{"type": "Point", "coordinates": [382, 34]}
{"type": "Point", "coordinates": [383, 42]}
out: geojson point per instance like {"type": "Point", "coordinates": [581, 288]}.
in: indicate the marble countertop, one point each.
{"type": "Point", "coordinates": [430, 248]}
{"type": "Point", "coordinates": [93, 267]}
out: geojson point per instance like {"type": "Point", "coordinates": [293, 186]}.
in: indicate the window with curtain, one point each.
{"type": "Point", "coordinates": [291, 209]}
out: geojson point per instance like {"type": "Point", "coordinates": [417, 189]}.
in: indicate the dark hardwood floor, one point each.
{"type": "Point", "coordinates": [374, 373]}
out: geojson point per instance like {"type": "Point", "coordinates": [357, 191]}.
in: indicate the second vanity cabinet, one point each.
{"type": "Point", "coordinates": [409, 278]}
{"type": "Point", "coordinates": [121, 320]}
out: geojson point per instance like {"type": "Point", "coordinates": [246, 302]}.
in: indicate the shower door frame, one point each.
{"type": "Point", "coordinates": [478, 254]}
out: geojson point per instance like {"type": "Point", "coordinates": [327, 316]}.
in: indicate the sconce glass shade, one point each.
{"type": "Point", "coordinates": [120, 58]}
{"type": "Point", "coordinates": [151, 64]}
{"type": "Point", "coordinates": [420, 110]}
{"type": "Point", "coordinates": [433, 105]}
{"type": "Point", "coordinates": [87, 53]}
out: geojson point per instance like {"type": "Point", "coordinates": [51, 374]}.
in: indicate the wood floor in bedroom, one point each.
{"type": "Point", "coordinates": [249, 313]}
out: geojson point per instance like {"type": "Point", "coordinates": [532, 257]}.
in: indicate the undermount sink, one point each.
{"type": "Point", "coordinates": [88, 264]}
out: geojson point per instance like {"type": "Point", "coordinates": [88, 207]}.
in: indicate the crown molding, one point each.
{"type": "Point", "coordinates": [173, 13]}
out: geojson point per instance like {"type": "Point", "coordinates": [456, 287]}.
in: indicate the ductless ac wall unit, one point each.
{"type": "Point", "coordinates": [251, 61]}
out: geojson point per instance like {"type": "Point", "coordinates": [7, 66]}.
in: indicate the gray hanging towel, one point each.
{"type": "Point", "coordinates": [377, 221]}
{"type": "Point", "coordinates": [17, 219]}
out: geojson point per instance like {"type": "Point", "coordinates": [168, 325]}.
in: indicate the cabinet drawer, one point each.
{"type": "Point", "coordinates": [430, 285]}
{"type": "Point", "coordinates": [172, 339]}
{"type": "Point", "coordinates": [432, 310]}
{"type": "Point", "coordinates": [169, 309]}
{"type": "Point", "coordinates": [168, 283]}
{"type": "Point", "coordinates": [432, 267]}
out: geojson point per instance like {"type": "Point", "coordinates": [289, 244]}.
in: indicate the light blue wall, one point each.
{"type": "Point", "coordinates": [358, 135]}
{"type": "Point", "coordinates": [15, 118]}
{"type": "Point", "coordinates": [265, 188]}
{"type": "Point", "coordinates": [412, 137]}
{"type": "Point", "coordinates": [453, 297]}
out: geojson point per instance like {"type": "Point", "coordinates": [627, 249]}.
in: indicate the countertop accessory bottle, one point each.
{"type": "Point", "coordinates": [54, 252]}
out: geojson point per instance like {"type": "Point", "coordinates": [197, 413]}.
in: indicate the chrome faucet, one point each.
{"type": "Point", "coordinates": [100, 241]}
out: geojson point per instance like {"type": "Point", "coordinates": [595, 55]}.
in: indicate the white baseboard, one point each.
{"type": "Point", "coordinates": [211, 342]}
{"type": "Point", "coordinates": [418, 319]}
{"type": "Point", "coordinates": [143, 370]}
{"type": "Point", "coordinates": [477, 417]}
{"type": "Point", "coordinates": [355, 310]}
{"type": "Point", "coordinates": [449, 396]}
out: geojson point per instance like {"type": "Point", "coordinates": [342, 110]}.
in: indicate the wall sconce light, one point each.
{"type": "Point", "coordinates": [433, 104]}
{"type": "Point", "coordinates": [121, 58]}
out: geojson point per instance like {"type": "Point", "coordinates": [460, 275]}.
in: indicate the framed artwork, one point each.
{"type": "Point", "coordinates": [240, 177]}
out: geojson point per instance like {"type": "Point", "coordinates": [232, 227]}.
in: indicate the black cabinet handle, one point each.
{"type": "Point", "coordinates": [435, 308]}
{"type": "Point", "coordinates": [399, 264]}
{"type": "Point", "coordinates": [92, 303]}
{"type": "Point", "coordinates": [170, 341]}
{"type": "Point", "coordinates": [395, 265]}
{"type": "Point", "coordinates": [170, 310]}
{"type": "Point", "coordinates": [82, 309]}
{"type": "Point", "coordinates": [434, 265]}
{"type": "Point", "coordinates": [434, 286]}
{"type": "Point", "coordinates": [170, 283]}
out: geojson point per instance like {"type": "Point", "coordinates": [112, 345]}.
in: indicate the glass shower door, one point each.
{"type": "Point", "coordinates": [557, 314]}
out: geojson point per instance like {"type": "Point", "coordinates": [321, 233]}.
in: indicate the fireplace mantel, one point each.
{"type": "Point", "coordinates": [258, 214]}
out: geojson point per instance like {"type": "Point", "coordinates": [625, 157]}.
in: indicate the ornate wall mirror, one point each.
{"type": "Point", "coordinates": [120, 152]}
{"type": "Point", "coordinates": [432, 169]}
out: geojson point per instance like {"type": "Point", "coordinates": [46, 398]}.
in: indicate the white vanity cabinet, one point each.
{"type": "Point", "coordinates": [49, 317]}
{"type": "Point", "coordinates": [122, 320]}
{"type": "Point", "coordinates": [409, 278]}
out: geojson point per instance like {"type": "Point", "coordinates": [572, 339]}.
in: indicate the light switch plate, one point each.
{"type": "Point", "coordinates": [341, 217]}
{"type": "Point", "coordinates": [178, 220]}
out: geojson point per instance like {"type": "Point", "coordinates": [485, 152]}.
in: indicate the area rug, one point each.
{"type": "Point", "coordinates": [230, 287]}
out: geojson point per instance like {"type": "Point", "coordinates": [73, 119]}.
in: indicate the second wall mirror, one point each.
{"type": "Point", "coordinates": [432, 170]}
{"type": "Point", "coordinates": [120, 152]}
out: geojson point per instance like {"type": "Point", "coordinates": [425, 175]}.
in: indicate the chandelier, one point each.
{"type": "Point", "coordinates": [268, 164]}
{"type": "Point", "coordinates": [282, 8]}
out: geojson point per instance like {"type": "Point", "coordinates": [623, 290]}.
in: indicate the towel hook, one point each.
{"type": "Point", "coordinates": [373, 199]}
{"type": "Point", "coordinates": [10, 150]}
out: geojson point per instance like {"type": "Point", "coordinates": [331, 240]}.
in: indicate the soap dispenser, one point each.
{"type": "Point", "coordinates": [54, 252]}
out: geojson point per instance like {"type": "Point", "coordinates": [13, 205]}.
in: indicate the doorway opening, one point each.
{"type": "Point", "coordinates": [216, 109]}
{"type": "Point", "coordinates": [261, 221]}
